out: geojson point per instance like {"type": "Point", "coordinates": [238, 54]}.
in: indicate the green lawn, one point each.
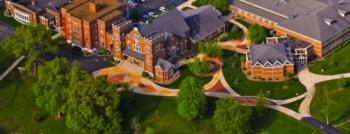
{"type": "Point", "coordinates": [238, 81]}
{"type": "Point", "coordinates": [339, 110]}
{"type": "Point", "coordinates": [336, 63]}
{"type": "Point", "coordinates": [8, 20]}
{"type": "Point", "coordinates": [160, 114]}
{"type": "Point", "coordinates": [294, 105]}
{"type": "Point", "coordinates": [18, 111]}
{"type": "Point", "coordinates": [185, 72]}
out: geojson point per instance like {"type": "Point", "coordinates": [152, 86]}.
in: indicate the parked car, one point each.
{"type": "Point", "coordinates": [152, 14]}
{"type": "Point", "coordinates": [163, 9]}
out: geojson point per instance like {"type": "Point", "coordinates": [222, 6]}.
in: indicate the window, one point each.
{"type": "Point", "coordinates": [136, 38]}
{"type": "Point", "coordinates": [148, 49]}
{"type": "Point", "coordinates": [158, 47]}
{"type": "Point", "coordinates": [137, 48]}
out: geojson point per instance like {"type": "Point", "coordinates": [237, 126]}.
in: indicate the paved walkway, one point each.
{"type": "Point", "coordinates": [8, 70]}
{"type": "Point", "coordinates": [309, 80]}
{"type": "Point", "coordinates": [188, 3]}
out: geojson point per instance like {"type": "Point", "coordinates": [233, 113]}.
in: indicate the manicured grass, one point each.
{"type": "Point", "coordinates": [339, 110]}
{"type": "Point", "coordinates": [239, 82]}
{"type": "Point", "coordinates": [294, 105]}
{"type": "Point", "coordinates": [160, 114]}
{"type": "Point", "coordinates": [18, 111]}
{"type": "Point", "coordinates": [8, 20]}
{"type": "Point", "coordinates": [185, 72]}
{"type": "Point", "coordinates": [335, 63]}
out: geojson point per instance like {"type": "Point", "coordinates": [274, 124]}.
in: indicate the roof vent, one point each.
{"type": "Point", "coordinates": [329, 21]}
{"type": "Point", "coordinates": [343, 13]}
{"type": "Point", "coordinates": [340, 2]}
{"type": "Point", "coordinates": [277, 4]}
{"type": "Point", "coordinates": [306, 13]}
{"type": "Point", "coordinates": [293, 16]}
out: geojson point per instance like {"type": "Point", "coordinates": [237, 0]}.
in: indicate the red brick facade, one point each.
{"type": "Point", "coordinates": [90, 30]}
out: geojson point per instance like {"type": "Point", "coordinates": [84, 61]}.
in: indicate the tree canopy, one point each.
{"type": "Point", "coordinates": [221, 5]}
{"type": "Point", "coordinates": [232, 118]}
{"type": "Point", "coordinates": [93, 106]}
{"type": "Point", "coordinates": [199, 67]}
{"type": "Point", "coordinates": [51, 88]}
{"type": "Point", "coordinates": [31, 41]}
{"type": "Point", "coordinates": [210, 48]}
{"type": "Point", "coordinates": [257, 33]}
{"type": "Point", "coordinates": [191, 99]}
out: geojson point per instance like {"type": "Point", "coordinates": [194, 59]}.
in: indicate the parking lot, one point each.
{"type": "Point", "coordinates": [154, 5]}
{"type": "Point", "coordinates": [5, 30]}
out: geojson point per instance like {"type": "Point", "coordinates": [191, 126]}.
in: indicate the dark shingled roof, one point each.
{"type": "Point", "coordinates": [272, 53]}
{"type": "Point", "coordinates": [134, 54]}
{"type": "Point", "coordinates": [307, 17]}
{"type": "Point", "coordinates": [203, 21]}
{"type": "Point", "coordinates": [164, 64]}
{"type": "Point", "coordinates": [171, 22]}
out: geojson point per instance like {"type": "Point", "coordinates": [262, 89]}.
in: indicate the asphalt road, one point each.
{"type": "Point", "coordinates": [5, 30]}
{"type": "Point", "coordinates": [324, 127]}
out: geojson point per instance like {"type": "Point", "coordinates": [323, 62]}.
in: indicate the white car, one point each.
{"type": "Point", "coordinates": [152, 14]}
{"type": "Point", "coordinates": [163, 9]}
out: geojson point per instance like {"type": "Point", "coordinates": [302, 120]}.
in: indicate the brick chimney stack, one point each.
{"type": "Point", "coordinates": [93, 7]}
{"type": "Point", "coordinates": [33, 3]}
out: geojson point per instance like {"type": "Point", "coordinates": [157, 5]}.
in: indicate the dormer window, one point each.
{"type": "Point", "coordinates": [343, 13]}
{"type": "Point", "coordinates": [329, 21]}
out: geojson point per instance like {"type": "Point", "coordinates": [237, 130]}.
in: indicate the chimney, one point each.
{"type": "Point", "coordinates": [93, 7]}
{"type": "Point", "coordinates": [33, 3]}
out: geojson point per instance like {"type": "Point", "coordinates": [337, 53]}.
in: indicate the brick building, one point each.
{"type": "Point", "coordinates": [156, 46]}
{"type": "Point", "coordinates": [88, 23]}
{"type": "Point", "coordinates": [323, 23]}
{"type": "Point", "coordinates": [269, 61]}
{"type": "Point", "coordinates": [33, 12]}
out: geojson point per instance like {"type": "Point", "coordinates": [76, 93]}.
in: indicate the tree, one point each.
{"type": "Point", "coordinates": [51, 87]}
{"type": "Point", "coordinates": [135, 16]}
{"type": "Point", "coordinates": [211, 49]}
{"type": "Point", "coordinates": [221, 5]}
{"type": "Point", "coordinates": [325, 104]}
{"type": "Point", "coordinates": [31, 41]}
{"type": "Point", "coordinates": [232, 118]}
{"type": "Point", "coordinates": [93, 106]}
{"type": "Point", "coordinates": [149, 130]}
{"type": "Point", "coordinates": [191, 100]}
{"type": "Point", "coordinates": [261, 103]}
{"type": "Point", "coordinates": [199, 67]}
{"type": "Point", "coordinates": [257, 33]}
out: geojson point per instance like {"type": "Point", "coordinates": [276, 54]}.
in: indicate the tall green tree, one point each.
{"type": "Point", "coordinates": [210, 48]}
{"type": "Point", "coordinates": [232, 118]}
{"type": "Point", "coordinates": [30, 41]}
{"type": "Point", "coordinates": [191, 100]}
{"type": "Point", "coordinates": [257, 33]}
{"type": "Point", "coordinates": [93, 106]}
{"type": "Point", "coordinates": [51, 88]}
{"type": "Point", "coordinates": [199, 67]}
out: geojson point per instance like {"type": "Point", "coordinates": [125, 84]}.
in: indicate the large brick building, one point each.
{"type": "Point", "coordinates": [269, 61]}
{"type": "Point", "coordinates": [323, 23]}
{"type": "Point", "coordinates": [33, 12]}
{"type": "Point", "coordinates": [88, 23]}
{"type": "Point", "coordinates": [157, 45]}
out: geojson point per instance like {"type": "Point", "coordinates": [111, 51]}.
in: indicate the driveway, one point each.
{"type": "Point", "coordinates": [5, 30]}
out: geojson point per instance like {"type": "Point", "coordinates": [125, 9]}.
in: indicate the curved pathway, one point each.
{"type": "Point", "coordinates": [309, 80]}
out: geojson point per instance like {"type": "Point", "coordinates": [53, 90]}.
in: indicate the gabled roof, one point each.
{"type": "Point", "coordinates": [310, 18]}
{"type": "Point", "coordinates": [203, 21]}
{"type": "Point", "coordinates": [80, 9]}
{"type": "Point", "coordinates": [164, 64]}
{"type": "Point", "coordinates": [170, 22]}
{"type": "Point", "coordinates": [269, 54]}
